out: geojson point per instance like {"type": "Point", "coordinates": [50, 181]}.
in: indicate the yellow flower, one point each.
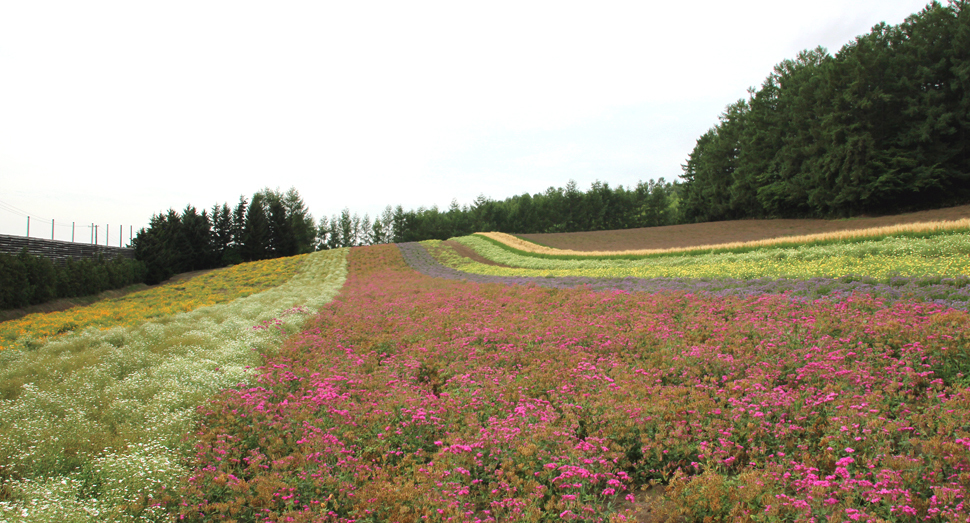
{"type": "Point", "coordinates": [182, 296]}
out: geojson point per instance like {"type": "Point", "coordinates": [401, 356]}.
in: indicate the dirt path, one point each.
{"type": "Point", "coordinates": [467, 252]}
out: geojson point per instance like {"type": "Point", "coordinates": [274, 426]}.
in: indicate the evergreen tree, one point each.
{"type": "Point", "coordinates": [387, 223]}
{"type": "Point", "coordinates": [156, 246]}
{"type": "Point", "coordinates": [783, 142]}
{"type": "Point", "coordinates": [300, 221]}
{"type": "Point", "coordinates": [400, 225]}
{"type": "Point", "coordinates": [575, 219]}
{"type": "Point", "coordinates": [377, 232]}
{"type": "Point", "coordinates": [256, 234]}
{"type": "Point", "coordinates": [879, 127]}
{"type": "Point", "coordinates": [323, 234]}
{"type": "Point", "coordinates": [347, 233]}
{"type": "Point", "coordinates": [282, 240]}
{"type": "Point", "coordinates": [194, 243]}
{"type": "Point", "coordinates": [364, 233]}
{"type": "Point", "coordinates": [221, 233]}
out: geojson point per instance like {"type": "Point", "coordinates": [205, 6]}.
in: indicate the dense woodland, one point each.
{"type": "Point", "coordinates": [880, 127]}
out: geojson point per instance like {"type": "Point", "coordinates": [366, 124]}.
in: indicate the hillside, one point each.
{"type": "Point", "coordinates": [689, 235]}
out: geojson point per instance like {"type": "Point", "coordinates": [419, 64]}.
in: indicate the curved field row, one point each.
{"type": "Point", "coordinates": [919, 228]}
{"type": "Point", "coordinates": [412, 399]}
{"type": "Point", "coordinates": [438, 260]}
{"type": "Point", "coordinates": [711, 233]}
{"type": "Point", "coordinates": [946, 255]}
{"type": "Point", "coordinates": [219, 286]}
{"type": "Point", "coordinates": [93, 424]}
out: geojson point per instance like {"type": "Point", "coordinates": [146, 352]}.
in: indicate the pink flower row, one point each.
{"type": "Point", "coordinates": [412, 398]}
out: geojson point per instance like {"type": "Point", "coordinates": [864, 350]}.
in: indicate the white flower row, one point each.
{"type": "Point", "coordinates": [138, 393]}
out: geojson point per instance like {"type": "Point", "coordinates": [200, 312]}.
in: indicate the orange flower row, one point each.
{"type": "Point", "coordinates": [218, 286]}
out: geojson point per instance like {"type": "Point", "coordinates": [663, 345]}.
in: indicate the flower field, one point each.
{"type": "Point", "coordinates": [940, 255]}
{"type": "Point", "coordinates": [873, 233]}
{"type": "Point", "coordinates": [413, 398]}
{"type": "Point", "coordinates": [410, 383]}
{"type": "Point", "coordinates": [934, 269]}
{"type": "Point", "coordinates": [948, 292]}
{"type": "Point", "coordinates": [93, 423]}
{"type": "Point", "coordinates": [166, 300]}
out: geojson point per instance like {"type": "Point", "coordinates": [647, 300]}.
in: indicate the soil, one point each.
{"type": "Point", "coordinates": [678, 236]}
{"type": "Point", "coordinates": [467, 252]}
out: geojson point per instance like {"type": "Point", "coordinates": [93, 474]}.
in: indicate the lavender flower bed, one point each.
{"type": "Point", "coordinates": [948, 292]}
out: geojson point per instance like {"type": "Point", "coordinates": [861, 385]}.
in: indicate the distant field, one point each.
{"type": "Point", "coordinates": [680, 236]}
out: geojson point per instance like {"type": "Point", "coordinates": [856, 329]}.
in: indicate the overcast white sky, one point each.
{"type": "Point", "coordinates": [113, 111]}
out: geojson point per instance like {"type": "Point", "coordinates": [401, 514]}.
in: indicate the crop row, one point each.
{"type": "Point", "coordinates": [165, 300]}
{"type": "Point", "coordinates": [410, 398]}
{"type": "Point", "coordinates": [947, 292]}
{"type": "Point", "coordinates": [943, 255]}
{"type": "Point", "coordinates": [918, 229]}
{"type": "Point", "coordinates": [92, 423]}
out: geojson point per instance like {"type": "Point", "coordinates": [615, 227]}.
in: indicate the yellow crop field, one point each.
{"type": "Point", "coordinates": [219, 286]}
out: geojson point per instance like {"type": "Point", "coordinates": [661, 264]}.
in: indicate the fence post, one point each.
{"type": "Point", "coordinates": [107, 233]}
{"type": "Point", "coordinates": [28, 226]}
{"type": "Point", "coordinates": [72, 232]}
{"type": "Point", "coordinates": [121, 232]}
{"type": "Point", "coordinates": [52, 228]}
{"type": "Point", "coordinates": [95, 234]}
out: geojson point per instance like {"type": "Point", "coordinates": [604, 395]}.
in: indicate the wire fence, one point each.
{"type": "Point", "coordinates": [93, 233]}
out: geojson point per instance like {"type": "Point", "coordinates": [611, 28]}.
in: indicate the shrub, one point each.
{"type": "Point", "coordinates": [26, 279]}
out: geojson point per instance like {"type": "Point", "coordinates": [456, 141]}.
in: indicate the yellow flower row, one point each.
{"type": "Point", "coordinates": [828, 261]}
{"type": "Point", "coordinates": [961, 225]}
{"type": "Point", "coordinates": [218, 286]}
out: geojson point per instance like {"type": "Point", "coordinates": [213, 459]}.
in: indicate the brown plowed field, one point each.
{"type": "Point", "coordinates": [676, 236]}
{"type": "Point", "coordinates": [467, 252]}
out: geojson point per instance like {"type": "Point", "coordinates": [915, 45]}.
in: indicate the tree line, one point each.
{"type": "Point", "coordinates": [26, 279]}
{"type": "Point", "coordinates": [558, 209]}
{"type": "Point", "coordinates": [274, 224]}
{"type": "Point", "coordinates": [880, 127]}
{"type": "Point", "coordinates": [270, 225]}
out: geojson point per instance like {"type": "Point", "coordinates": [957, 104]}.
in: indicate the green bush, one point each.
{"type": "Point", "coordinates": [26, 279]}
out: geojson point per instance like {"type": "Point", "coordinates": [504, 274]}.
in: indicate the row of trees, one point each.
{"type": "Point", "coordinates": [272, 224]}
{"type": "Point", "coordinates": [558, 209]}
{"type": "Point", "coordinates": [26, 279]}
{"type": "Point", "coordinates": [346, 230]}
{"type": "Point", "coordinates": [880, 127]}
